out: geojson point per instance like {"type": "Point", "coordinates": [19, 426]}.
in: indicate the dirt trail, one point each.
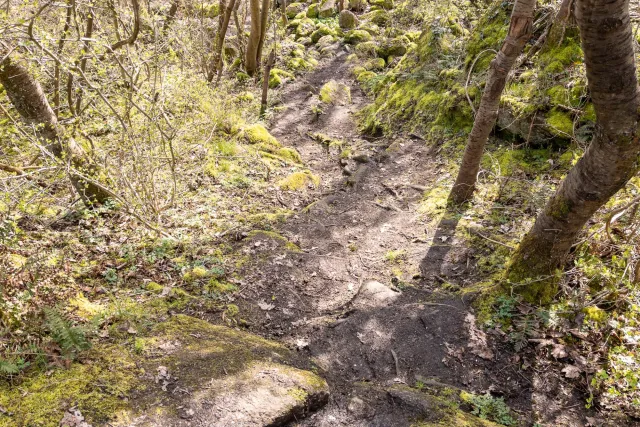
{"type": "Point", "coordinates": [359, 311]}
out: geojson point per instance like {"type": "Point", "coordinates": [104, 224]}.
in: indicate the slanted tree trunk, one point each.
{"type": "Point", "coordinates": [29, 100]}
{"type": "Point", "coordinates": [225, 13]}
{"type": "Point", "coordinates": [251, 54]}
{"type": "Point", "coordinates": [520, 31]}
{"type": "Point", "coordinates": [608, 163]}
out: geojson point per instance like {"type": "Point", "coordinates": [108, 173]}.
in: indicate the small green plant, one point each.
{"type": "Point", "coordinates": [395, 256]}
{"type": "Point", "coordinates": [490, 408]}
{"type": "Point", "coordinates": [71, 339]}
{"type": "Point", "coordinates": [12, 367]}
{"type": "Point", "coordinates": [505, 308]}
{"type": "Point", "coordinates": [111, 276]}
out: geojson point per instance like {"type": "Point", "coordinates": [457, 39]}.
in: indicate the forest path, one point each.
{"type": "Point", "coordinates": [353, 300]}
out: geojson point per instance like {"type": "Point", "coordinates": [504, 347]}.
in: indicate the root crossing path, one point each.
{"type": "Point", "coordinates": [394, 347]}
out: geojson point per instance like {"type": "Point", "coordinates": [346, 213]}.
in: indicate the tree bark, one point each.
{"type": "Point", "coordinates": [226, 13]}
{"type": "Point", "coordinates": [520, 31]}
{"type": "Point", "coordinates": [173, 10]}
{"type": "Point", "coordinates": [134, 32]}
{"type": "Point", "coordinates": [609, 161]}
{"type": "Point", "coordinates": [265, 83]}
{"type": "Point", "coordinates": [264, 22]}
{"type": "Point", "coordinates": [251, 54]}
{"type": "Point", "coordinates": [29, 100]}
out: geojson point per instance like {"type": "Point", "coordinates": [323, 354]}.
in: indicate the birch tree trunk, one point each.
{"type": "Point", "coordinates": [608, 163]}
{"type": "Point", "coordinates": [520, 31]}
{"type": "Point", "coordinates": [29, 100]}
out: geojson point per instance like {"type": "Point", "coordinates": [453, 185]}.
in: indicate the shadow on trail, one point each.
{"type": "Point", "coordinates": [442, 243]}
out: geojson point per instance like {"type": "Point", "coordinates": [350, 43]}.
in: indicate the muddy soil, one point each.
{"type": "Point", "coordinates": [362, 299]}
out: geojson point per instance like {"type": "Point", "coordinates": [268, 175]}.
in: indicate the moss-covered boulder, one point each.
{"type": "Point", "coordinates": [278, 76]}
{"type": "Point", "coordinates": [300, 64]}
{"type": "Point", "coordinates": [382, 4]}
{"type": "Point", "coordinates": [378, 17]}
{"type": "Point", "coordinates": [312, 12]}
{"type": "Point", "coordinates": [294, 9]}
{"type": "Point", "coordinates": [335, 93]}
{"type": "Point", "coordinates": [370, 28]}
{"type": "Point", "coordinates": [366, 49]}
{"type": "Point", "coordinates": [242, 76]}
{"type": "Point", "coordinates": [323, 30]}
{"type": "Point", "coordinates": [357, 36]}
{"type": "Point", "coordinates": [347, 20]}
{"type": "Point", "coordinates": [375, 64]}
{"type": "Point", "coordinates": [357, 5]}
{"type": "Point", "coordinates": [305, 28]}
{"type": "Point", "coordinates": [305, 41]}
{"type": "Point", "coordinates": [392, 47]}
{"type": "Point", "coordinates": [258, 134]}
{"type": "Point", "coordinates": [228, 374]}
{"type": "Point", "coordinates": [327, 9]}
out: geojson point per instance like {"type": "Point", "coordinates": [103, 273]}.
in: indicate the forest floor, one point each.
{"type": "Point", "coordinates": [353, 270]}
{"type": "Point", "coordinates": [366, 297]}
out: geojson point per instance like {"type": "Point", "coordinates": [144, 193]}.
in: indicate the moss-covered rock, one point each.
{"type": "Point", "coordinates": [357, 5]}
{"type": "Point", "coordinates": [300, 64]}
{"type": "Point", "coordinates": [378, 17]}
{"type": "Point", "coordinates": [323, 30]}
{"type": "Point", "coordinates": [305, 28]}
{"type": "Point", "coordinates": [335, 93]}
{"type": "Point", "coordinates": [278, 76]}
{"type": "Point", "coordinates": [313, 11]}
{"type": "Point", "coordinates": [375, 64]}
{"type": "Point", "coordinates": [392, 47]}
{"type": "Point", "coordinates": [327, 9]}
{"type": "Point", "coordinates": [242, 77]}
{"type": "Point", "coordinates": [357, 36]}
{"type": "Point", "coordinates": [347, 20]}
{"type": "Point", "coordinates": [382, 4]}
{"type": "Point", "coordinates": [258, 134]}
{"type": "Point", "coordinates": [120, 384]}
{"type": "Point", "coordinates": [293, 9]}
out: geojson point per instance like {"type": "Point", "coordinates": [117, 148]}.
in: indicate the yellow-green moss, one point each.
{"type": "Point", "coordinates": [298, 181]}
{"type": "Point", "coordinates": [258, 134]}
{"type": "Point", "coordinates": [489, 33]}
{"type": "Point", "coordinates": [560, 123]}
{"type": "Point", "coordinates": [219, 287]}
{"type": "Point", "coordinates": [595, 314]}
{"type": "Point", "coordinates": [97, 388]}
{"type": "Point", "coordinates": [154, 287]}
{"type": "Point", "coordinates": [196, 273]}
{"type": "Point", "coordinates": [333, 92]}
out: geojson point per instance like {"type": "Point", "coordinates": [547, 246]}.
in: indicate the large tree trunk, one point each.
{"type": "Point", "coordinates": [29, 100]}
{"type": "Point", "coordinates": [251, 54]}
{"type": "Point", "coordinates": [609, 161]}
{"type": "Point", "coordinates": [520, 31]}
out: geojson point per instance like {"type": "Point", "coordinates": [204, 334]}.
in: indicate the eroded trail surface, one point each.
{"type": "Point", "coordinates": [354, 301]}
